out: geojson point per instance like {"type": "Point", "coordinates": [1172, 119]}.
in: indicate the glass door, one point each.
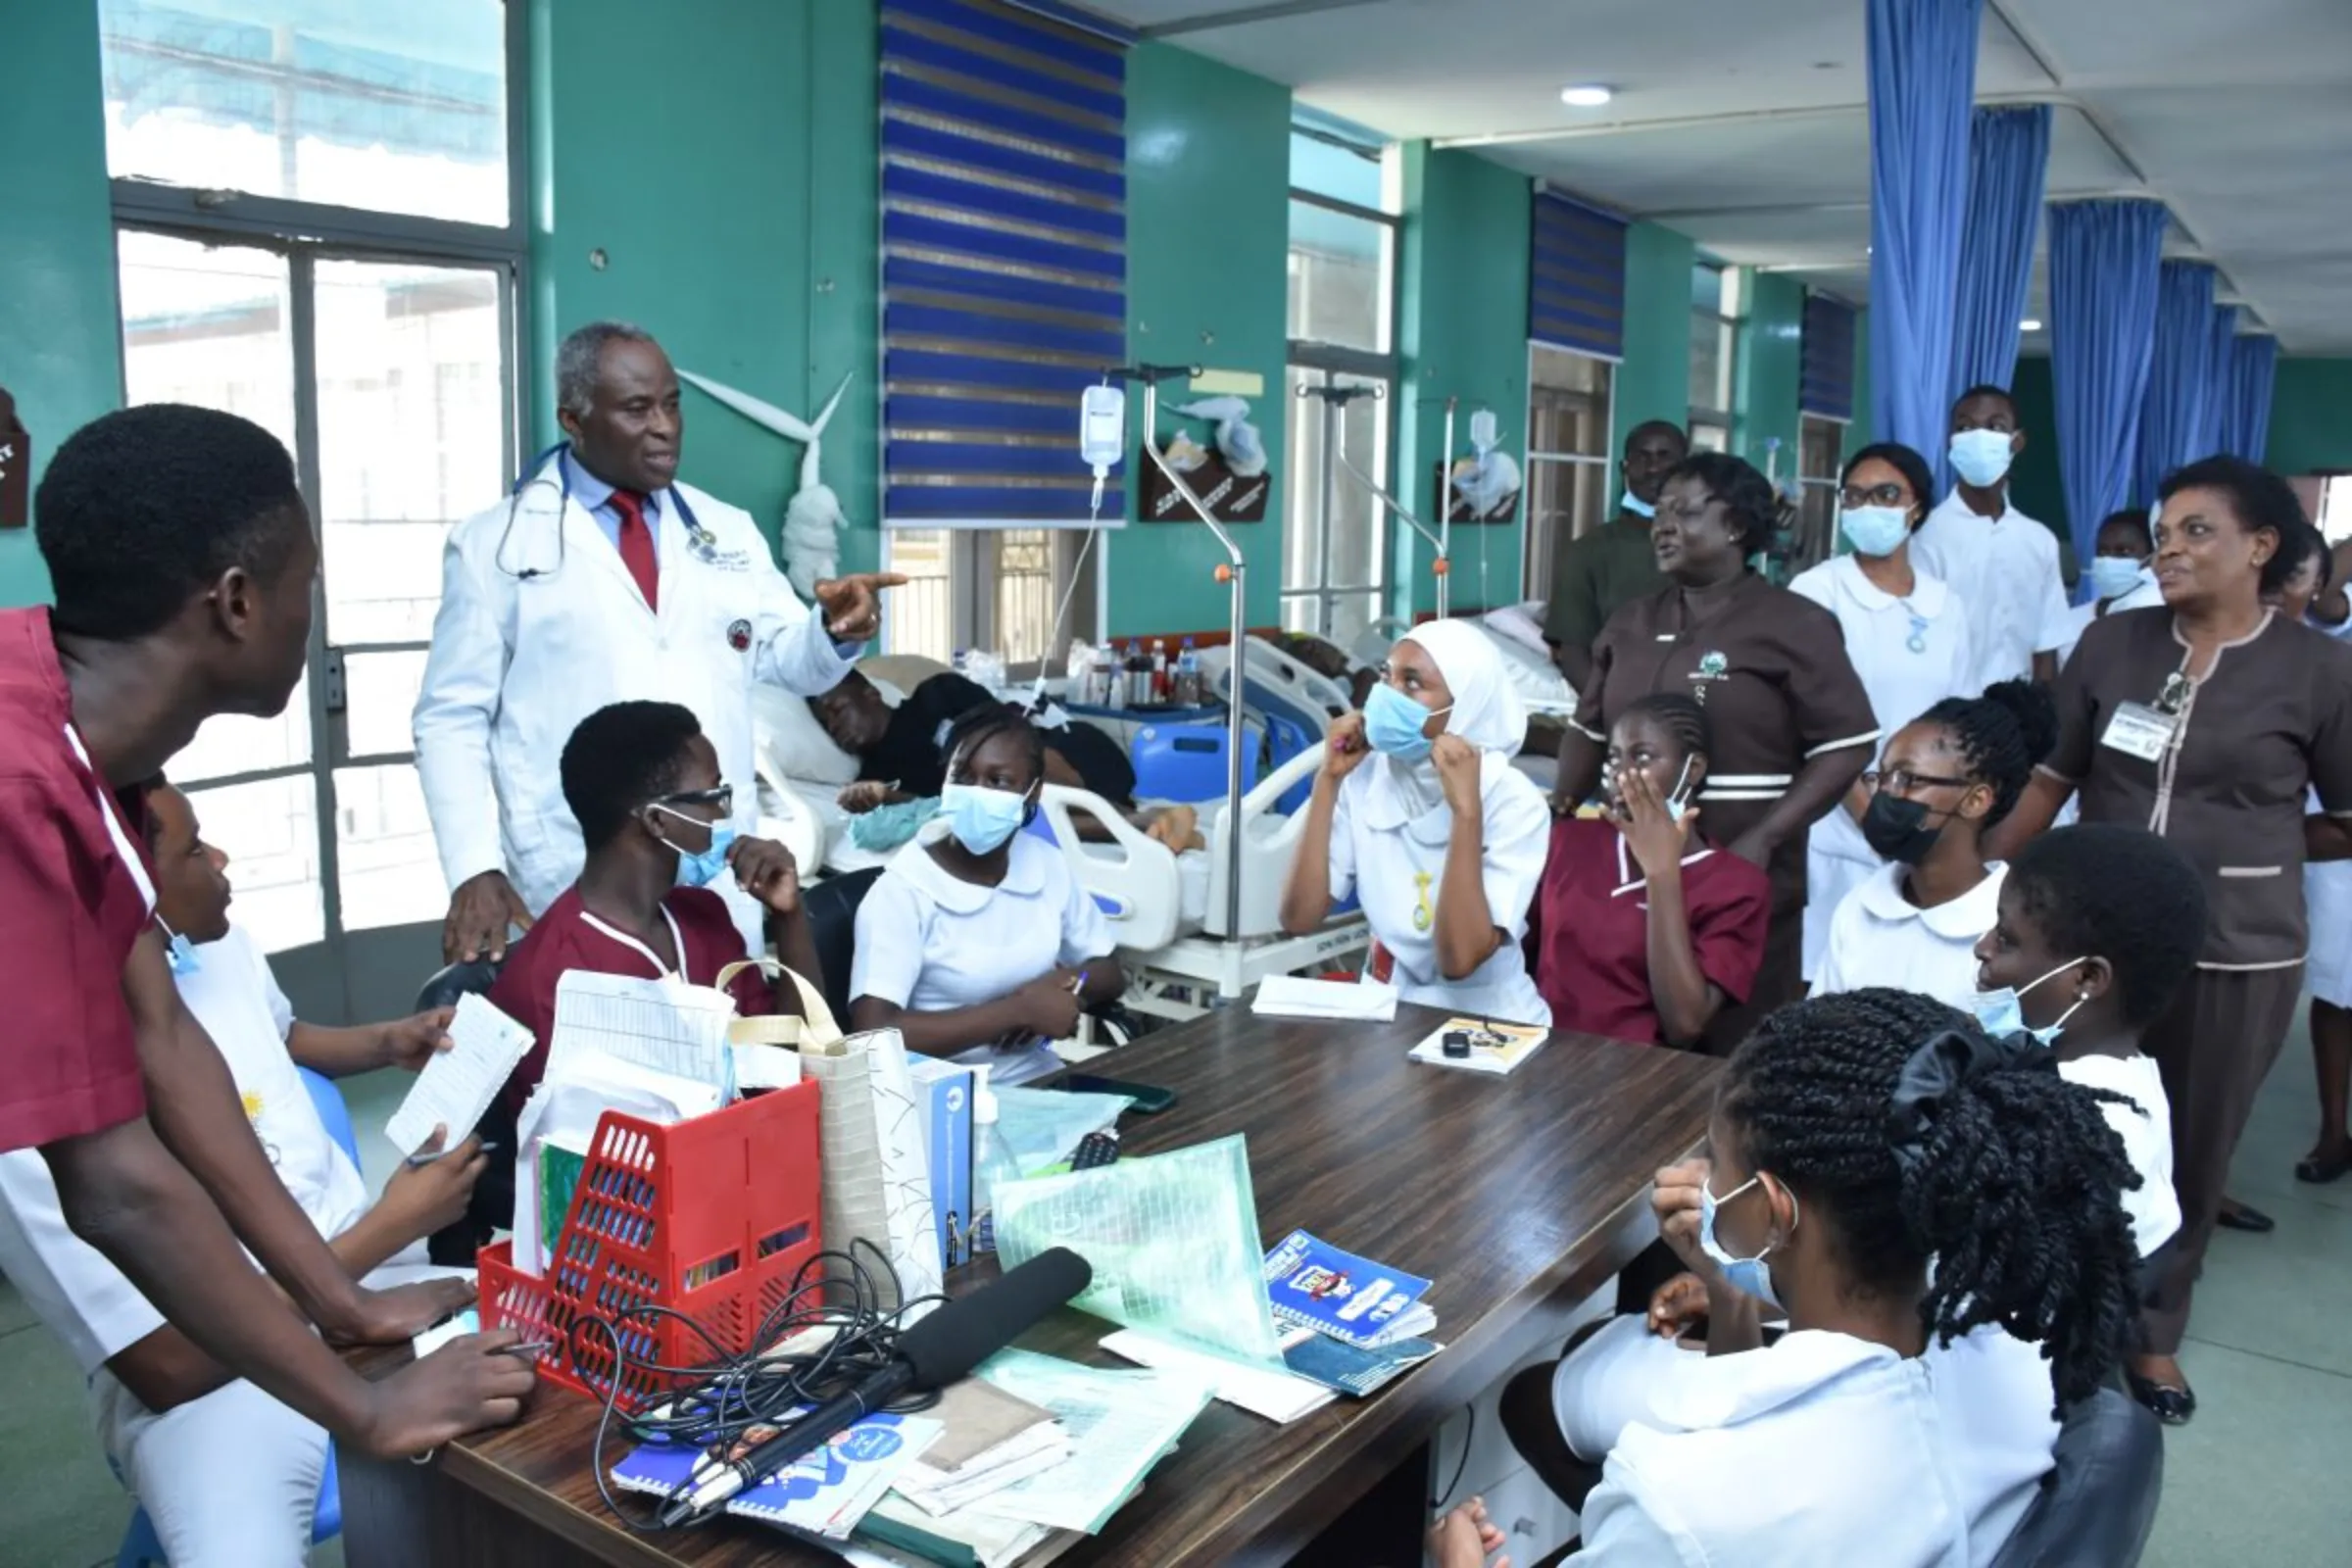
{"type": "Point", "coordinates": [390, 380]}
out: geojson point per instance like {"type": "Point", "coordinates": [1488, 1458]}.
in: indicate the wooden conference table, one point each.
{"type": "Point", "coordinates": [1517, 1196]}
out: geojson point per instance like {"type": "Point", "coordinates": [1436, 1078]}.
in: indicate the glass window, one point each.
{"type": "Point", "coordinates": [269, 830]}
{"type": "Point", "coordinates": [1330, 166]}
{"type": "Point", "coordinates": [1340, 277]}
{"type": "Point", "coordinates": [392, 109]}
{"type": "Point", "coordinates": [918, 619]}
{"type": "Point", "coordinates": [386, 870]}
{"type": "Point", "coordinates": [1332, 564]}
{"type": "Point", "coordinates": [1821, 445]}
{"type": "Point", "coordinates": [1570, 468]}
{"type": "Point", "coordinates": [1714, 345]}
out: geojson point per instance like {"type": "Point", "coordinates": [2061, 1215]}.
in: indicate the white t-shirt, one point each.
{"type": "Point", "coordinates": [85, 1299]}
{"type": "Point", "coordinates": [929, 941]}
{"type": "Point", "coordinates": [1823, 1449]}
{"type": "Point", "coordinates": [1400, 869]}
{"type": "Point", "coordinates": [2079, 617]}
{"type": "Point", "coordinates": [2005, 571]}
{"type": "Point", "coordinates": [2146, 1128]}
{"type": "Point", "coordinates": [1880, 938]}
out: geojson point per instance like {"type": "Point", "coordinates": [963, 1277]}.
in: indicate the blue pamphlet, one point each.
{"type": "Point", "coordinates": [1342, 1367]}
{"type": "Point", "coordinates": [824, 1493]}
{"type": "Point", "coordinates": [1312, 1284]}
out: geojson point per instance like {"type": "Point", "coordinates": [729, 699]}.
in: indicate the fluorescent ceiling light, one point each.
{"type": "Point", "coordinates": [2028, 324]}
{"type": "Point", "coordinates": [1585, 97]}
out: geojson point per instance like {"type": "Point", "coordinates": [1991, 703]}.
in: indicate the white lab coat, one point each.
{"type": "Point", "coordinates": [517, 661]}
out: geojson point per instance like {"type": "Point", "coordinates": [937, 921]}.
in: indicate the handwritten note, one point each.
{"type": "Point", "coordinates": [458, 1085]}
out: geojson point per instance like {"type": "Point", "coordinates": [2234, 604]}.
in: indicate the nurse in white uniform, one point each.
{"type": "Point", "coordinates": [1417, 807]}
{"type": "Point", "coordinates": [976, 943]}
{"type": "Point", "coordinates": [1907, 636]}
{"type": "Point", "coordinates": [1853, 1140]}
{"type": "Point", "coordinates": [602, 579]}
{"type": "Point", "coordinates": [2119, 579]}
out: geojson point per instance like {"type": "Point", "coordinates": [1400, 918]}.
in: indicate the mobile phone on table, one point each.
{"type": "Point", "coordinates": [1149, 1099]}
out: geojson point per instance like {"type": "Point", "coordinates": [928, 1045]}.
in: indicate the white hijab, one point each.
{"type": "Point", "coordinates": [1486, 713]}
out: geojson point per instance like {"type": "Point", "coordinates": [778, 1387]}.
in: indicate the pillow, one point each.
{"type": "Point", "coordinates": [791, 744]}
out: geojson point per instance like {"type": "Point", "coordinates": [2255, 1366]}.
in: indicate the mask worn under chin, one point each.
{"type": "Point", "coordinates": [1981, 458]}
{"type": "Point", "coordinates": [2112, 576]}
{"type": "Point", "coordinates": [699, 871]}
{"type": "Point", "coordinates": [1896, 829]}
{"type": "Point", "coordinates": [1394, 721]}
{"type": "Point", "coordinates": [1639, 507]}
{"type": "Point", "coordinates": [178, 952]}
{"type": "Point", "coordinates": [2002, 1012]}
{"type": "Point", "coordinates": [982, 818]}
{"type": "Point", "coordinates": [1749, 1276]}
{"type": "Point", "coordinates": [1876, 531]}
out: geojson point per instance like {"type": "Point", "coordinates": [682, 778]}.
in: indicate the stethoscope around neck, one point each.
{"type": "Point", "coordinates": [553, 467]}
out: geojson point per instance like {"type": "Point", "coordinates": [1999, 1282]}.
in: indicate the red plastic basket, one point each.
{"type": "Point", "coordinates": [709, 1217]}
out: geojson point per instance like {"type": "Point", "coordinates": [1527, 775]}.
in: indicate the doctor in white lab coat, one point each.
{"type": "Point", "coordinates": [601, 580]}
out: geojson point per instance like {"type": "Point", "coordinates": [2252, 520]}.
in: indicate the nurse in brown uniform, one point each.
{"type": "Point", "coordinates": [2206, 720]}
{"type": "Point", "coordinates": [1793, 726]}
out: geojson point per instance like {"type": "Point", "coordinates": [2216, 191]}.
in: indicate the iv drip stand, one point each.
{"type": "Point", "coordinates": [1232, 572]}
{"type": "Point", "coordinates": [1334, 451]}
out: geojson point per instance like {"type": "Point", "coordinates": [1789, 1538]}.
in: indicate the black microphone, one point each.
{"type": "Point", "coordinates": [941, 1350]}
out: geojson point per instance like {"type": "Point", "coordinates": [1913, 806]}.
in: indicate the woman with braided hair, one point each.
{"type": "Point", "coordinates": [1855, 1139]}
{"type": "Point", "coordinates": [1947, 778]}
{"type": "Point", "coordinates": [1644, 929]}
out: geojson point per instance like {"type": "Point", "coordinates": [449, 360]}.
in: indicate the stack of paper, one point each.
{"type": "Point", "coordinates": [824, 1494]}
{"type": "Point", "coordinates": [964, 1539]}
{"type": "Point", "coordinates": [1283, 996]}
{"type": "Point", "coordinates": [1119, 1425]}
{"type": "Point", "coordinates": [993, 1440]}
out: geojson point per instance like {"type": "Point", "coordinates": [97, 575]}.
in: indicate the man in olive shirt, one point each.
{"type": "Point", "coordinates": [1613, 564]}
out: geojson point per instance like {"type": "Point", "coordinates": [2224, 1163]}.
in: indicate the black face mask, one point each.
{"type": "Point", "coordinates": [1897, 829]}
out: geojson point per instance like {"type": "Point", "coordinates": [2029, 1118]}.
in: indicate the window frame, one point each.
{"type": "Point", "coordinates": [1537, 553]}
{"type": "Point", "coordinates": [1725, 324]}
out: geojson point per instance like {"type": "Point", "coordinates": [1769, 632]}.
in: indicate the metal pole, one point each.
{"type": "Point", "coordinates": [1234, 730]}
{"type": "Point", "coordinates": [1331, 495]}
{"type": "Point", "coordinates": [1444, 566]}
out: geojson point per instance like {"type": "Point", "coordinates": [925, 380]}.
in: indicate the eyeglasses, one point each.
{"type": "Point", "coordinates": [1903, 781]}
{"type": "Point", "coordinates": [1890, 494]}
{"type": "Point", "coordinates": [722, 797]}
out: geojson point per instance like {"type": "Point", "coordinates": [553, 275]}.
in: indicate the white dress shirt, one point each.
{"type": "Point", "coordinates": [2005, 571]}
{"type": "Point", "coordinates": [1880, 938]}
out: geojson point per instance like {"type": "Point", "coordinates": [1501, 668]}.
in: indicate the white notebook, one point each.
{"type": "Point", "coordinates": [458, 1085]}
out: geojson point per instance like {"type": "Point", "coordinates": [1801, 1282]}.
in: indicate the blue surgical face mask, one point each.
{"type": "Point", "coordinates": [1639, 507]}
{"type": "Point", "coordinates": [1876, 530]}
{"type": "Point", "coordinates": [2002, 1012]}
{"type": "Point", "coordinates": [1981, 457]}
{"type": "Point", "coordinates": [1392, 723]}
{"type": "Point", "coordinates": [1747, 1275]}
{"type": "Point", "coordinates": [701, 870]}
{"type": "Point", "coordinates": [982, 818]}
{"type": "Point", "coordinates": [2112, 576]}
{"type": "Point", "coordinates": [178, 952]}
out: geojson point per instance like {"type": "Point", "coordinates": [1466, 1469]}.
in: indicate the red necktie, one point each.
{"type": "Point", "coordinates": [637, 544]}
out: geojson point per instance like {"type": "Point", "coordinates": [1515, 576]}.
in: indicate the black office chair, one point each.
{"type": "Point", "coordinates": [2097, 1504]}
{"type": "Point", "coordinates": [832, 908]}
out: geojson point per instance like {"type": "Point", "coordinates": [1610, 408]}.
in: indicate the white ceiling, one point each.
{"type": "Point", "coordinates": [1740, 121]}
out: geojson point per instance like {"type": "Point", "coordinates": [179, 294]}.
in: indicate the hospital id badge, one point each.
{"type": "Point", "coordinates": [2138, 730]}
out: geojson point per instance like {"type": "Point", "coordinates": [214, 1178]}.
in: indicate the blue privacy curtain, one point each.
{"type": "Point", "coordinates": [2172, 412]}
{"type": "Point", "coordinates": [1922, 77]}
{"type": "Point", "coordinates": [2008, 151]}
{"type": "Point", "coordinates": [2246, 430]}
{"type": "Point", "coordinates": [2221, 382]}
{"type": "Point", "coordinates": [2105, 258]}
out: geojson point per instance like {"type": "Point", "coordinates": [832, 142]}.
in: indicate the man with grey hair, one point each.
{"type": "Point", "coordinates": [599, 580]}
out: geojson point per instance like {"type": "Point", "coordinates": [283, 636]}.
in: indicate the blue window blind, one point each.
{"type": "Point", "coordinates": [1826, 381]}
{"type": "Point", "coordinates": [1004, 260]}
{"type": "Point", "coordinates": [1576, 278]}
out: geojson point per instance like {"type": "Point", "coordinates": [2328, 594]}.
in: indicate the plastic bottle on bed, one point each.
{"type": "Point", "coordinates": [1188, 676]}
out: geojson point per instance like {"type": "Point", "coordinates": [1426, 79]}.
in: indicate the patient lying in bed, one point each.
{"type": "Point", "coordinates": [900, 758]}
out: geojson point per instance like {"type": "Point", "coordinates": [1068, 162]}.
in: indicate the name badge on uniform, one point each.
{"type": "Point", "coordinates": [2138, 730]}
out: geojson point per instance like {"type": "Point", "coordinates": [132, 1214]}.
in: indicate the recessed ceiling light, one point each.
{"type": "Point", "coordinates": [2028, 324]}
{"type": "Point", "coordinates": [1585, 97]}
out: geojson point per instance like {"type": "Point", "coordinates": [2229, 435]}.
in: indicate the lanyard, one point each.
{"type": "Point", "coordinates": [676, 940]}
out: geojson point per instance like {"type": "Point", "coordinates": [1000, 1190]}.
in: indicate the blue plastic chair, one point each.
{"type": "Point", "coordinates": [140, 1547]}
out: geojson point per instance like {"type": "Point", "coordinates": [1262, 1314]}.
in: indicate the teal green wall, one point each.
{"type": "Point", "coordinates": [2311, 416]}
{"type": "Point", "coordinates": [742, 235]}
{"type": "Point", "coordinates": [61, 350]}
{"type": "Point", "coordinates": [1654, 381]}
{"type": "Point", "coordinates": [1766, 379]}
{"type": "Point", "coordinates": [1462, 333]}
{"type": "Point", "coordinates": [1208, 263]}
{"type": "Point", "coordinates": [1857, 429]}
{"type": "Point", "coordinates": [2035, 485]}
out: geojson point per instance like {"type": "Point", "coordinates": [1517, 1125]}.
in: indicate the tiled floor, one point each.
{"type": "Point", "coordinates": [2256, 1479]}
